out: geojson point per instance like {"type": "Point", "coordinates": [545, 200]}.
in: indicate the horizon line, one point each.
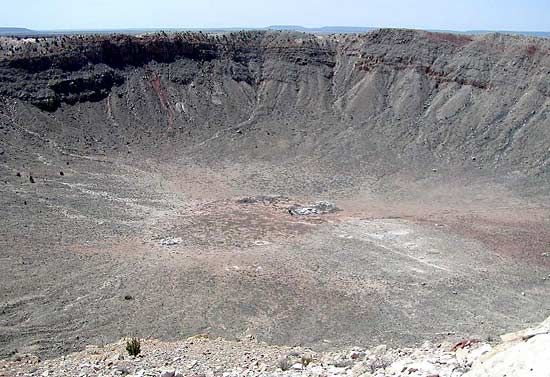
{"type": "Point", "coordinates": [289, 27]}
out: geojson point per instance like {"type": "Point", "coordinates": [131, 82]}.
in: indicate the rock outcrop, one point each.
{"type": "Point", "coordinates": [522, 354]}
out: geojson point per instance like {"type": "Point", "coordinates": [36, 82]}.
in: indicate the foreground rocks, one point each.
{"type": "Point", "coordinates": [216, 357]}
{"type": "Point", "coordinates": [521, 354]}
{"type": "Point", "coordinates": [524, 353]}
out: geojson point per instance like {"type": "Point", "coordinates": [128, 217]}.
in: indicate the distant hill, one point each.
{"type": "Point", "coordinates": [544, 34]}
{"type": "Point", "coordinates": [17, 31]}
{"type": "Point", "coordinates": [324, 29]}
{"type": "Point", "coordinates": [365, 29]}
{"type": "Point", "coordinates": [288, 27]}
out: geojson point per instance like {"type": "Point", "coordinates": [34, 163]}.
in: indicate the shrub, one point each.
{"type": "Point", "coordinates": [133, 346]}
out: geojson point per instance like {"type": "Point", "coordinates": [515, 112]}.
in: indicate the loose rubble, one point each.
{"type": "Point", "coordinates": [216, 357]}
{"type": "Point", "coordinates": [321, 207]}
{"type": "Point", "coordinates": [521, 354]}
{"type": "Point", "coordinates": [318, 208]}
{"type": "Point", "coordinates": [263, 199]}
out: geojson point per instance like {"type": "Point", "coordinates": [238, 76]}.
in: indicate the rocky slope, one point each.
{"type": "Point", "coordinates": [391, 98]}
{"type": "Point", "coordinates": [521, 354]}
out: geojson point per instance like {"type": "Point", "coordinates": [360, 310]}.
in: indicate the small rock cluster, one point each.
{"type": "Point", "coordinates": [318, 208]}
{"type": "Point", "coordinates": [263, 199]}
{"type": "Point", "coordinates": [171, 241]}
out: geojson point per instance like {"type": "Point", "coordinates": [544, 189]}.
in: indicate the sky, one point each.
{"type": "Point", "coordinates": [523, 15]}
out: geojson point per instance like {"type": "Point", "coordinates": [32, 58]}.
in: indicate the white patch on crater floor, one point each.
{"type": "Point", "coordinates": [397, 237]}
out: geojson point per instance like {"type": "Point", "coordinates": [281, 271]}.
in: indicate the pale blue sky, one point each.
{"type": "Point", "coordinates": [525, 15]}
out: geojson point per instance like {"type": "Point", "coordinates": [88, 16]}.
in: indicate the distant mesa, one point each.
{"type": "Point", "coordinates": [323, 29]}
{"type": "Point", "coordinates": [17, 31]}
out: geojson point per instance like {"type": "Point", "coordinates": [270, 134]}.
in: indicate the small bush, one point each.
{"type": "Point", "coordinates": [133, 346]}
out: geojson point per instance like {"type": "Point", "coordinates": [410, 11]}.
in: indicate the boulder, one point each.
{"type": "Point", "coordinates": [167, 373]}
{"type": "Point", "coordinates": [524, 353]}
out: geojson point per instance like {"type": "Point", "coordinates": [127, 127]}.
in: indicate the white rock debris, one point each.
{"type": "Point", "coordinates": [171, 241]}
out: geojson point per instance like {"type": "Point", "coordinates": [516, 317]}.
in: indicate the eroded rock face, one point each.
{"type": "Point", "coordinates": [409, 95]}
{"type": "Point", "coordinates": [80, 69]}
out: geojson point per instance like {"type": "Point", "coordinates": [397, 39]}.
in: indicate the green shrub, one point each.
{"type": "Point", "coordinates": [133, 346]}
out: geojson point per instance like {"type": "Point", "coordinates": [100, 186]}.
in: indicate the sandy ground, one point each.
{"type": "Point", "coordinates": [83, 260]}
